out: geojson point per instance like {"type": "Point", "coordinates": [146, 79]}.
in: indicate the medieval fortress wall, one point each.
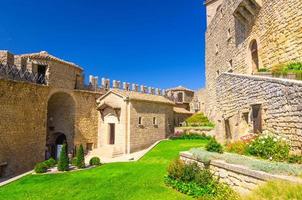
{"type": "Point", "coordinates": [275, 25]}
{"type": "Point", "coordinates": [28, 110]}
{"type": "Point", "coordinates": [242, 37]}
{"type": "Point", "coordinates": [281, 102]}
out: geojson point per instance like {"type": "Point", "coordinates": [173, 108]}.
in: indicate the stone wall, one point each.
{"type": "Point", "coordinates": [275, 28]}
{"type": "Point", "coordinates": [280, 99]}
{"type": "Point", "coordinates": [22, 126]}
{"type": "Point", "coordinates": [143, 136]}
{"type": "Point", "coordinates": [86, 119]}
{"type": "Point", "coordinates": [58, 74]}
{"type": "Point", "coordinates": [240, 178]}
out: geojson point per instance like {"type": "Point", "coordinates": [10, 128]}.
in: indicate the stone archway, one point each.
{"type": "Point", "coordinates": [254, 56]}
{"type": "Point", "coordinates": [60, 123]}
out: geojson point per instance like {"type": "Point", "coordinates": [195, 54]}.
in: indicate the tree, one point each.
{"type": "Point", "coordinates": [63, 160]}
{"type": "Point", "coordinates": [80, 157]}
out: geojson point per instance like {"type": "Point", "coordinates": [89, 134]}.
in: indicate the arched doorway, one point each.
{"type": "Point", "coordinates": [60, 124]}
{"type": "Point", "coordinates": [254, 56]}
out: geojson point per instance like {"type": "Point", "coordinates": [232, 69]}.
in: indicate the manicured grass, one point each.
{"type": "Point", "coordinates": [136, 180]}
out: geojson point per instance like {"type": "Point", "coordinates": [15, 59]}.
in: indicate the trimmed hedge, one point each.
{"type": "Point", "coordinates": [95, 161]}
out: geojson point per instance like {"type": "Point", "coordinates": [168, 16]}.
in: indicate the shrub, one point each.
{"type": "Point", "coordinates": [239, 147]}
{"type": "Point", "coordinates": [80, 157]}
{"type": "Point", "coordinates": [295, 159]}
{"type": "Point", "coordinates": [95, 161]}
{"type": "Point", "coordinates": [176, 169]}
{"type": "Point", "coordinates": [63, 160]}
{"type": "Point", "coordinates": [199, 120]}
{"type": "Point", "coordinates": [204, 177]}
{"type": "Point", "coordinates": [74, 161]}
{"type": "Point", "coordinates": [269, 147]}
{"type": "Point", "coordinates": [214, 146]}
{"type": "Point", "coordinates": [50, 163]}
{"type": "Point", "coordinates": [263, 70]}
{"type": "Point", "coordinates": [40, 168]}
{"type": "Point", "coordinates": [189, 172]}
{"type": "Point", "coordinates": [198, 182]}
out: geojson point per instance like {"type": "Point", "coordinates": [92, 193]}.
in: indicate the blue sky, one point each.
{"type": "Point", "coordinates": [157, 43]}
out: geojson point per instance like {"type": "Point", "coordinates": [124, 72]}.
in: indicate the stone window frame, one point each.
{"type": "Point", "coordinates": [140, 120]}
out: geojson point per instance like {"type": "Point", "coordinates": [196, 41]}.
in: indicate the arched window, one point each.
{"type": "Point", "coordinates": [254, 55]}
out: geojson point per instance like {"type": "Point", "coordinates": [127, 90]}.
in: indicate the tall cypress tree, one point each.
{"type": "Point", "coordinates": [63, 160]}
{"type": "Point", "coordinates": [80, 157]}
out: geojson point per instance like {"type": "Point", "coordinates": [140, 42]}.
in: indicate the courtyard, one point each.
{"type": "Point", "coordinates": [136, 180]}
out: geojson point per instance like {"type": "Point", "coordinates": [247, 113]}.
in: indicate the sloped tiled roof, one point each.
{"type": "Point", "coordinates": [181, 110]}
{"type": "Point", "coordinates": [45, 55]}
{"type": "Point", "coordinates": [180, 88]}
{"type": "Point", "coordinates": [138, 96]}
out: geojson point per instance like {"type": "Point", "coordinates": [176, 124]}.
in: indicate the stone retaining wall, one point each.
{"type": "Point", "coordinates": [240, 178]}
{"type": "Point", "coordinates": [280, 100]}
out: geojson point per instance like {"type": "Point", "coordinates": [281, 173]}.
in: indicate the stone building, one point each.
{"type": "Point", "coordinates": [186, 103]}
{"type": "Point", "coordinates": [132, 121]}
{"type": "Point", "coordinates": [45, 103]}
{"type": "Point", "coordinates": [242, 37]}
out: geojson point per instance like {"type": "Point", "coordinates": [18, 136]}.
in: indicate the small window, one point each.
{"type": "Point", "coordinates": [154, 121]}
{"type": "Point", "coordinates": [139, 120]}
{"type": "Point", "coordinates": [229, 34]}
{"type": "Point", "coordinates": [217, 49]}
{"type": "Point", "coordinates": [231, 63]}
{"type": "Point", "coordinates": [89, 146]}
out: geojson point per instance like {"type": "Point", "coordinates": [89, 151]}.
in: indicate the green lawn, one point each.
{"type": "Point", "coordinates": [135, 180]}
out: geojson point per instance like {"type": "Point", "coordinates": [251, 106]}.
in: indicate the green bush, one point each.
{"type": "Point", "coordinates": [295, 159]}
{"type": "Point", "coordinates": [63, 164]}
{"type": "Point", "coordinates": [199, 119]}
{"type": "Point", "coordinates": [214, 146]}
{"type": "Point", "coordinates": [284, 69]}
{"type": "Point", "coordinates": [196, 182]}
{"type": "Point", "coordinates": [239, 147]}
{"type": "Point", "coordinates": [176, 169]}
{"type": "Point", "coordinates": [74, 161]}
{"type": "Point", "coordinates": [269, 147]}
{"type": "Point", "coordinates": [50, 163]}
{"type": "Point", "coordinates": [204, 177]}
{"type": "Point", "coordinates": [189, 172]}
{"type": "Point", "coordinates": [40, 168]}
{"type": "Point", "coordinates": [95, 161]}
{"type": "Point", "coordinates": [80, 157]}
{"type": "Point", "coordinates": [263, 70]}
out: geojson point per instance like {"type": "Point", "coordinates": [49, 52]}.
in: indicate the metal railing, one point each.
{"type": "Point", "coordinates": [15, 73]}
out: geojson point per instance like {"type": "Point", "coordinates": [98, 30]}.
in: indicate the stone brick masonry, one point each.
{"type": "Point", "coordinates": [281, 102]}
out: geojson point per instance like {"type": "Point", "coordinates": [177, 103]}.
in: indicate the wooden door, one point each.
{"type": "Point", "coordinates": [111, 133]}
{"type": "Point", "coordinates": [228, 134]}
{"type": "Point", "coordinates": [257, 118]}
